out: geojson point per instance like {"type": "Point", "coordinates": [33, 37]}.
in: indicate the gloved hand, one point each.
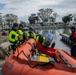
{"type": "Point", "coordinates": [17, 42]}
{"type": "Point", "coordinates": [45, 45]}
{"type": "Point", "coordinates": [53, 45]}
{"type": "Point", "coordinates": [20, 37]}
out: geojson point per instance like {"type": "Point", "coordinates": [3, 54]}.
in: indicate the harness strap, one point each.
{"type": "Point", "coordinates": [33, 48]}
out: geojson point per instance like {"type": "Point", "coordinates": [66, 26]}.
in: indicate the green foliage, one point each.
{"type": "Point", "coordinates": [66, 32]}
{"type": "Point", "coordinates": [67, 18]}
{"type": "Point", "coordinates": [22, 22]}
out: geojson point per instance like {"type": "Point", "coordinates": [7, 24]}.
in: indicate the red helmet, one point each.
{"type": "Point", "coordinates": [74, 35]}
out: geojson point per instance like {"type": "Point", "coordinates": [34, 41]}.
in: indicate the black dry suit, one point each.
{"type": "Point", "coordinates": [73, 44]}
{"type": "Point", "coordinates": [13, 38]}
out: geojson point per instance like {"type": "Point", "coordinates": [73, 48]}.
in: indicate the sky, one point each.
{"type": "Point", "coordinates": [24, 8]}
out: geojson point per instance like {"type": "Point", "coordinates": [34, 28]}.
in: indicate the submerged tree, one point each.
{"type": "Point", "coordinates": [66, 20]}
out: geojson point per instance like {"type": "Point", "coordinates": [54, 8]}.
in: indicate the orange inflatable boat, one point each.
{"type": "Point", "coordinates": [21, 62]}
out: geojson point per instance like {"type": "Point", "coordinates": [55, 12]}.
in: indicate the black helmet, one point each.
{"type": "Point", "coordinates": [30, 29]}
{"type": "Point", "coordinates": [21, 25]}
{"type": "Point", "coordinates": [31, 35]}
{"type": "Point", "coordinates": [15, 25]}
{"type": "Point", "coordinates": [73, 29]}
{"type": "Point", "coordinates": [40, 38]}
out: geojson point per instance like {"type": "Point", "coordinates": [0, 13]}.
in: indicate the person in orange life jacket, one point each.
{"type": "Point", "coordinates": [72, 37]}
{"type": "Point", "coordinates": [22, 34]}
{"type": "Point", "coordinates": [14, 37]}
{"type": "Point", "coordinates": [31, 33]}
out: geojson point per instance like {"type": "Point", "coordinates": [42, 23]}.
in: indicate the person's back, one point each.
{"type": "Point", "coordinates": [72, 37]}
{"type": "Point", "coordinates": [40, 39]}
{"type": "Point", "coordinates": [13, 36]}
{"type": "Point", "coordinates": [43, 44]}
{"type": "Point", "coordinates": [31, 34]}
{"type": "Point", "coordinates": [45, 41]}
{"type": "Point", "coordinates": [21, 33]}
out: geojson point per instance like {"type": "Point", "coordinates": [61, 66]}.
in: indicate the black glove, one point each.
{"type": "Point", "coordinates": [24, 37]}
{"type": "Point", "coordinates": [53, 45]}
{"type": "Point", "coordinates": [17, 42]}
{"type": "Point", "coordinates": [45, 45]}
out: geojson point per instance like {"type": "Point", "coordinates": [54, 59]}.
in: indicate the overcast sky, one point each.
{"type": "Point", "coordinates": [23, 8]}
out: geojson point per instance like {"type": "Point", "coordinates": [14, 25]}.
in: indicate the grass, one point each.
{"type": "Point", "coordinates": [66, 31]}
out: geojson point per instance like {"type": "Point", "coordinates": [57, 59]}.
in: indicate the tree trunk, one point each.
{"type": "Point", "coordinates": [66, 30]}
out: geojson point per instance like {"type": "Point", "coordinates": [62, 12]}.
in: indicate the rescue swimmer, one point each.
{"type": "Point", "coordinates": [72, 37]}
{"type": "Point", "coordinates": [21, 33]}
{"type": "Point", "coordinates": [31, 33]}
{"type": "Point", "coordinates": [14, 37]}
{"type": "Point", "coordinates": [46, 46]}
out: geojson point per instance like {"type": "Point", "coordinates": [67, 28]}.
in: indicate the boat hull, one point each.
{"type": "Point", "coordinates": [20, 62]}
{"type": "Point", "coordinates": [14, 66]}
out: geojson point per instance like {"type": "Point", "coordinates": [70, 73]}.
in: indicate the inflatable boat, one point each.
{"type": "Point", "coordinates": [21, 62]}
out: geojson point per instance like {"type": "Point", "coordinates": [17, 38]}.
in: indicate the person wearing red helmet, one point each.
{"type": "Point", "coordinates": [73, 41]}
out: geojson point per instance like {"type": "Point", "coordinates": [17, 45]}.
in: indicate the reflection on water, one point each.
{"type": "Point", "coordinates": [57, 37]}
